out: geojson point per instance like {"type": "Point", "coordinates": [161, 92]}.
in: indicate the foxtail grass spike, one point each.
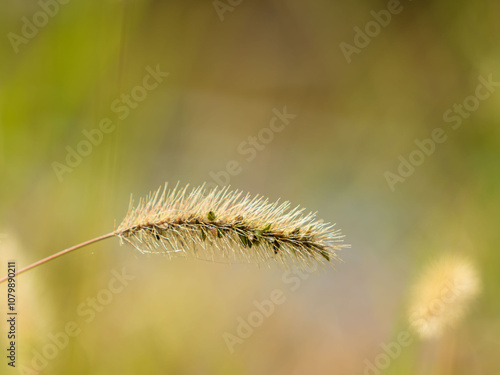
{"type": "Point", "coordinates": [442, 295]}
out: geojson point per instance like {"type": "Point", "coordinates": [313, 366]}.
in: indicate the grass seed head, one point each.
{"type": "Point", "coordinates": [442, 295]}
{"type": "Point", "coordinates": [224, 225]}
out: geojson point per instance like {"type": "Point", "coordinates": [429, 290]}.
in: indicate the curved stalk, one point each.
{"type": "Point", "coordinates": [59, 254]}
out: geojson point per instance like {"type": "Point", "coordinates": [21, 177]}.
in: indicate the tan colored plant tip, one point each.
{"type": "Point", "coordinates": [442, 295]}
{"type": "Point", "coordinates": [225, 225]}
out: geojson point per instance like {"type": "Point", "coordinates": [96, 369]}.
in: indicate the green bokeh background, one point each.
{"type": "Point", "coordinates": [225, 77]}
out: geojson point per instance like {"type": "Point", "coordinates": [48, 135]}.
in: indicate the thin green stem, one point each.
{"type": "Point", "coordinates": [59, 254]}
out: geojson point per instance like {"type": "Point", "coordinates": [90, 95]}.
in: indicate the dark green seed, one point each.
{"type": "Point", "coordinates": [276, 247]}
{"type": "Point", "coordinates": [325, 255]}
{"type": "Point", "coordinates": [257, 237]}
{"type": "Point", "coordinates": [203, 234]}
{"type": "Point", "coordinates": [249, 240]}
{"type": "Point", "coordinates": [211, 216]}
{"type": "Point", "coordinates": [266, 228]}
{"type": "Point", "coordinates": [252, 239]}
{"type": "Point", "coordinates": [244, 240]}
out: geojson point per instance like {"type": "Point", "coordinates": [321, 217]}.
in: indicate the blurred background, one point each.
{"type": "Point", "coordinates": [71, 69]}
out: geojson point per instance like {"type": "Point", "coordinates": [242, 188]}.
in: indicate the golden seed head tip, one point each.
{"type": "Point", "coordinates": [442, 295]}
{"type": "Point", "coordinates": [223, 225]}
